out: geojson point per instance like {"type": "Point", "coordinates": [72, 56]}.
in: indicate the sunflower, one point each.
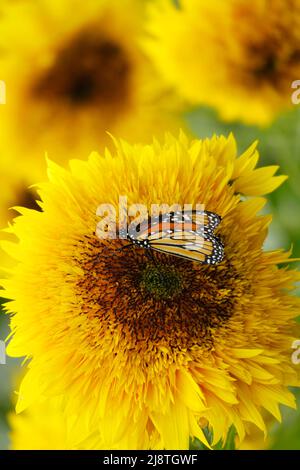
{"type": "Point", "coordinates": [237, 56]}
{"type": "Point", "coordinates": [42, 427]}
{"type": "Point", "coordinates": [255, 440]}
{"type": "Point", "coordinates": [69, 80]}
{"type": "Point", "coordinates": [150, 351]}
{"type": "Point", "coordinates": [14, 180]}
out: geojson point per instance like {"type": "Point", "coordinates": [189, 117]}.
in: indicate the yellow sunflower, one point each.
{"type": "Point", "coordinates": [14, 192]}
{"type": "Point", "coordinates": [42, 427]}
{"type": "Point", "coordinates": [70, 78]}
{"type": "Point", "coordinates": [150, 351]}
{"type": "Point", "coordinates": [255, 438]}
{"type": "Point", "coordinates": [237, 56]}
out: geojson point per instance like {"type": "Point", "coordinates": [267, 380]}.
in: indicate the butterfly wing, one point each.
{"type": "Point", "coordinates": [204, 222]}
{"type": "Point", "coordinates": [157, 226]}
{"type": "Point", "coordinates": [198, 221]}
{"type": "Point", "coordinates": [187, 234]}
{"type": "Point", "coordinates": [192, 246]}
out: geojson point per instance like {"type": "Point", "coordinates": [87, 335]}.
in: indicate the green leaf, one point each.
{"type": "Point", "coordinates": [229, 444]}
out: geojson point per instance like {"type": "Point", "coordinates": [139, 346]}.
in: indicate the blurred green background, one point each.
{"type": "Point", "coordinates": [278, 144]}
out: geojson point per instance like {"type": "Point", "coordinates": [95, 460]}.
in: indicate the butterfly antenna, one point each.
{"type": "Point", "coordinates": [107, 252]}
{"type": "Point", "coordinates": [150, 255]}
{"type": "Point", "coordinates": [125, 246]}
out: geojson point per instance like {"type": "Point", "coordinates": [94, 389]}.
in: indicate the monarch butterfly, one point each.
{"type": "Point", "coordinates": [187, 234]}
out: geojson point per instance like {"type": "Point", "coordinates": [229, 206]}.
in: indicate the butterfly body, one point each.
{"type": "Point", "coordinates": [186, 234]}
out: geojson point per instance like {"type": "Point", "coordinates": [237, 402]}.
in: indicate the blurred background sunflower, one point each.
{"type": "Point", "coordinates": [75, 70]}
{"type": "Point", "coordinates": [70, 79]}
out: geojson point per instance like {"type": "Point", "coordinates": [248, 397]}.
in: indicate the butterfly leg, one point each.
{"type": "Point", "coordinates": [151, 257]}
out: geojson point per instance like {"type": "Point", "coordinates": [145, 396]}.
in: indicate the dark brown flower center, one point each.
{"type": "Point", "coordinates": [163, 300]}
{"type": "Point", "coordinates": [267, 67]}
{"type": "Point", "coordinates": [272, 55]}
{"type": "Point", "coordinates": [89, 70]}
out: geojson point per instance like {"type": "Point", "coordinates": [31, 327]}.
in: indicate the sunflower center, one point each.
{"type": "Point", "coordinates": [163, 301]}
{"type": "Point", "coordinates": [270, 57]}
{"type": "Point", "coordinates": [268, 65]}
{"type": "Point", "coordinates": [267, 68]}
{"type": "Point", "coordinates": [161, 282]}
{"type": "Point", "coordinates": [90, 70]}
